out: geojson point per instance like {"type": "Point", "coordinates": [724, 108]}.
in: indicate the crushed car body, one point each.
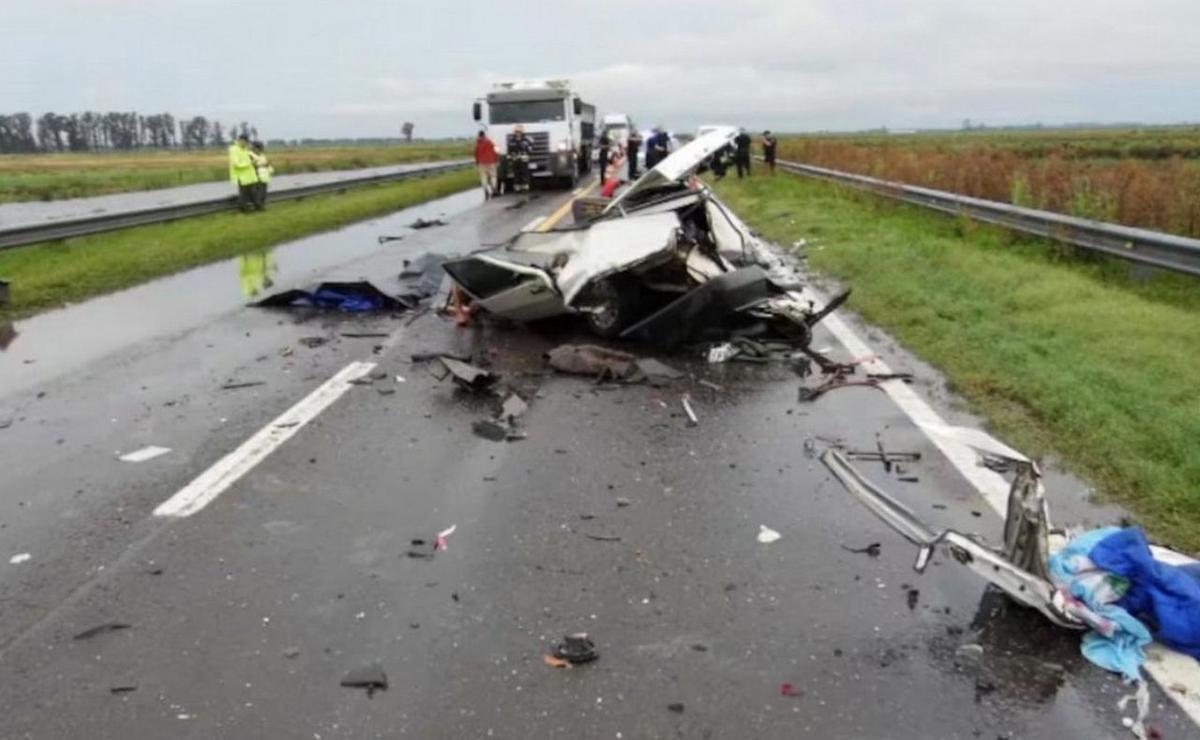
{"type": "Point", "coordinates": [665, 261]}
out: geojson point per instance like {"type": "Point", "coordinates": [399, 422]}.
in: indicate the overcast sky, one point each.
{"type": "Point", "coordinates": [360, 67]}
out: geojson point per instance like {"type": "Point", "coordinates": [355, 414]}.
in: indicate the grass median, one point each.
{"type": "Point", "coordinates": [1075, 356]}
{"type": "Point", "coordinates": [56, 273]}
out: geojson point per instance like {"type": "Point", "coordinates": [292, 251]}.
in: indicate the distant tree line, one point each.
{"type": "Point", "coordinates": [116, 130]}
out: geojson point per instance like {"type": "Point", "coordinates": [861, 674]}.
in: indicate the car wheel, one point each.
{"type": "Point", "coordinates": [616, 302]}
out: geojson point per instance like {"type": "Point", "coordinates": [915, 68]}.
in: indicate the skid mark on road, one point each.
{"type": "Point", "coordinates": [1164, 665]}
{"type": "Point", "coordinates": [205, 488]}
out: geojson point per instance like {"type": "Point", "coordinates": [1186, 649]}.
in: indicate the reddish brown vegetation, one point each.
{"type": "Point", "coordinates": [1156, 194]}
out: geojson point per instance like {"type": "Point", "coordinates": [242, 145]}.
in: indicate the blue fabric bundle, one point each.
{"type": "Point", "coordinates": [1165, 597]}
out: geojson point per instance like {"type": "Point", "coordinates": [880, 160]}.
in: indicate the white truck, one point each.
{"type": "Point", "coordinates": [561, 127]}
{"type": "Point", "coordinates": [618, 127]}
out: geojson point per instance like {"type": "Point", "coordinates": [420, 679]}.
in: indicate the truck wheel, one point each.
{"type": "Point", "coordinates": [617, 302]}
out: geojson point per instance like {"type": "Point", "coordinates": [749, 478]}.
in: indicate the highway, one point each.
{"type": "Point", "coordinates": [615, 517]}
{"type": "Point", "coordinates": [15, 215]}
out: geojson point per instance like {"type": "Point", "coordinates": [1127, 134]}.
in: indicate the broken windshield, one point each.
{"type": "Point", "coordinates": [528, 111]}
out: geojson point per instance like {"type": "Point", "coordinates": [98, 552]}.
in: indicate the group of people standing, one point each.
{"type": "Point", "coordinates": [741, 154]}
{"type": "Point", "coordinates": [250, 171]}
{"type": "Point", "coordinates": [487, 162]}
{"type": "Point", "coordinates": [614, 157]}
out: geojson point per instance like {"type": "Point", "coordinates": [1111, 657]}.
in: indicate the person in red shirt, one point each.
{"type": "Point", "coordinates": [486, 160]}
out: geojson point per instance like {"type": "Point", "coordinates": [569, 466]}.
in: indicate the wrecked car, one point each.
{"type": "Point", "coordinates": [665, 261]}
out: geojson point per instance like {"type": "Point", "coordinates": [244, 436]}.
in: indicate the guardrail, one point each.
{"type": "Point", "coordinates": [1166, 251]}
{"type": "Point", "coordinates": [23, 234]}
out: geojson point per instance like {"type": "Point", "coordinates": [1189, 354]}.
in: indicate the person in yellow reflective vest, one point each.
{"type": "Point", "coordinates": [262, 166]}
{"type": "Point", "coordinates": [242, 172]}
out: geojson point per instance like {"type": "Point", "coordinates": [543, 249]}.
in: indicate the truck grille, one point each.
{"type": "Point", "coordinates": [541, 148]}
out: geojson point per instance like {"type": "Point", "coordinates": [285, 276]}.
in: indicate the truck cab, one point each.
{"type": "Point", "coordinates": [618, 127]}
{"type": "Point", "coordinates": [555, 119]}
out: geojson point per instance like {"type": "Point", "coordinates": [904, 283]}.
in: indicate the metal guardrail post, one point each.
{"type": "Point", "coordinates": [24, 234]}
{"type": "Point", "coordinates": [1158, 249]}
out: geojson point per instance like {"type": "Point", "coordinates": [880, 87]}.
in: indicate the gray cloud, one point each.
{"type": "Point", "coordinates": [305, 67]}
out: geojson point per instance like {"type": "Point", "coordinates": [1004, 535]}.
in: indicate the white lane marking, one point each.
{"type": "Point", "coordinates": [144, 454]}
{"type": "Point", "coordinates": [1167, 667]}
{"type": "Point", "coordinates": [225, 472]}
{"type": "Point", "coordinates": [532, 225]}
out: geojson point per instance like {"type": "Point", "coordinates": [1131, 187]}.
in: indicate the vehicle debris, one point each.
{"type": "Point", "coordinates": [442, 540]}
{"type": "Point", "coordinates": [423, 223]}
{"type": "Point", "coordinates": [246, 384]}
{"type": "Point", "coordinates": [365, 335]}
{"type": "Point", "coordinates": [1110, 582]}
{"type": "Point", "coordinates": [676, 707]}
{"type": "Point", "coordinates": [686, 402]}
{"type": "Point", "coordinates": [468, 377]}
{"type": "Point", "coordinates": [144, 454]}
{"type": "Point", "coordinates": [372, 678]}
{"type": "Point", "coordinates": [654, 370]}
{"type": "Point", "coordinates": [101, 629]}
{"type": "Point", "coordinates": [122, 689]}
{"type": "Point", "coordinates": [665, 262]}
{"type": "Point", "coordinates": [889, 459]}
{"type": "Point", "coordinates": [349, 297]}
{"type": "Point", "coordinates": [576, 649]}
{"type": "Point", "coordinates": [871, 550]}
{"type": "Point", "coordinates": [766, 535]}
{"type": "Point", "coordinates": [593, 361]}
{"type": "Point", "coordinates": [490, 429]}
{"type": "Point", "coordinates": [385, 238]}
{"type": "Point", "coordinates": [603, 538]}
{"type": "Point", "coordinates": [423, 275]}
{"type": "Point", "coordinates": [421, 548]}
{"type": "Point", "coordinates": [722, 353]}
{"type": "Point", "coordinates": [832, 384]}
{"type": "Point", "coordinates": [787, 689]}
{"type": "Point", "coordinates": [312, 342]}
{"type": "Point", "coordinates": [911, 596]}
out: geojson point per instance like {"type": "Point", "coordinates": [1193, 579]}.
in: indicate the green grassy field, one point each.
{"type": "Point", "coordinates": [25, 177]}
{"type": "Point", "coordinates": [1061, 354]}
{"type": "Point", "coordinates": [48, 275]}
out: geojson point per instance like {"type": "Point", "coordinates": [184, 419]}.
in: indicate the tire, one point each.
{"type": "Point", "coordinates": [620, 302]}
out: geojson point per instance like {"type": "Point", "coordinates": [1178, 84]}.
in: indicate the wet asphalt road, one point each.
{"type": "Point", "coordinates": [245, 616]}
{"type": "Point", "coordinates": [37, 212]}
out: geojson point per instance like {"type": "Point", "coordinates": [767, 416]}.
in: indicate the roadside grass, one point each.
{"type": "Point", "coordinates": [56, 273]}
{"type": "Point", "coordinates": [26, 177]}
{"type": "Point", "coordinates": [1062, 353]}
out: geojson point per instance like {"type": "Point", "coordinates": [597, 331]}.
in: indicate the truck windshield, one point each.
{"type": "Point", "coordinates": [528, 111]}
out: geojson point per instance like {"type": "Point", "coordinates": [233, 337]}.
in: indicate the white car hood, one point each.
{"type": "Point", "coordinates": [679, 164]}
{"type": "Point", "coordinates": [612, 246]}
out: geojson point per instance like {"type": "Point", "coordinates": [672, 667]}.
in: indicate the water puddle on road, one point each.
{"type": "Point", "coordinates": [56, 342]}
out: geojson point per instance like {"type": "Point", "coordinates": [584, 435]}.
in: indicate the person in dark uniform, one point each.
{"type": "Point", "coordinates": [741, 157]}
{"type": "Point", "coordinates": [720, 162]}
{"type": "Point", "coordinates": [769, 145]}
{"type": "Point", "coordinates": [632, 148]}
{"type": "Point", "coordinates": [657, 147]}
{"type": "Point", "coordinates": [520, 150]}
{"type": "Point", "coordinates": [605, 144]}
